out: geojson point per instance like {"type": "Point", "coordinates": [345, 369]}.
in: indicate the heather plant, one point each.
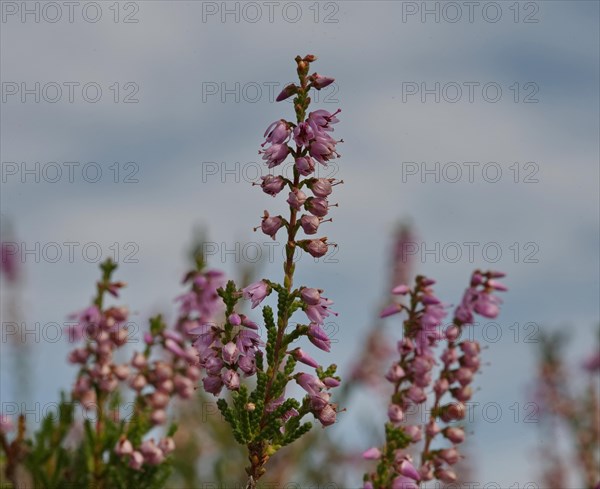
{"type": "Point", "coordinates": [264, 416]}
{"type": "Point", "coordinates": [412, 377]}
{"type": "Point", "coordinates": [571, 408]}
{"type": "Point", "coordinates": [87, 442]}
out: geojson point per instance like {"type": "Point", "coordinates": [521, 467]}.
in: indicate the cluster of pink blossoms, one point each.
{"type": "Point", "coordinates": [202, 303]}
{"type": "Point", "coordinates": [221, 358]}
{"type": "Point", "coordinates": [154, 382]}
{"type": "Point", "coordinates": [313, 141]}
{"type": "Point", "coordinates": [317, 309]}
{"type": "Point", "coordinates": [412, 377]}
{"type": "Point", "coordinates": [104, 332]}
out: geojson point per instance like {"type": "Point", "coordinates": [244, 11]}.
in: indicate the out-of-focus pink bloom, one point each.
{"type": "Point", "coordinates": [454, 434]}
{"type": "Point", "coordinates": [9, 263]}
{"type": "Point", "coordinates": [234, 319]}
{"type": "Point", "coordinates": [592, 363]}
{"type": "Point", "coordinates": [391, 310]}
{"type": "Point", "coordinates": [136, 460]}
{"type": "Point", "coordinates": [372, 453]}
{"type": "Point", "coordinates": [124, 447]}
{"type": "Point", "coordinates": [167, 445]}
{"type": "Point", "coordinates": [395, 413]}
{"type": "Point", "coordinates": [6, 424]}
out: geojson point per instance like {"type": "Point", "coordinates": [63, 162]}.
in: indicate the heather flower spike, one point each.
{"type": "Point", "coordinates": [412, 378]}
{"type": "Point", "coordinates": [234, 351]}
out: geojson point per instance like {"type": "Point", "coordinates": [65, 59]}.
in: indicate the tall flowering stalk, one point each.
{"type": "Point", "coordinates": [413, 379]}
{"type": "Point", "coordinates": [267, 419]}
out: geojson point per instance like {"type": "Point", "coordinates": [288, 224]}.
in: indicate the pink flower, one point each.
{"type": "Point", "coordinates": [304, 357]}
{"type": "Point", "coordinates": [311, 296]}
{"type": "Point", "coordinates": [212, 384]}
{"type": "Point", "coordinates": [231, 379]}
{"type": "Point", "coordinates": [270, 225]}
{"type": "Point", "coordinates": [167, 445]}
{"type": "Point", "coordinates": [318, 313]}
{"type": "Point", "coordinates": [454, 434]}
{"type": "Point", "coordinates": [272, 184]}
{"type": "Point", "coordinates": [322, 119]}
{"type": "Point", "coordinates": [407, 469]}
{"type": "Point", "coordinates": [319, 81]}
{"type": "Point", "coordinates": [395, 413]}
{"type": "Point", "coordinates": [136, 460]}
{"type": "Point", "coordinates": [296, 199]}
{"type": "Point", "coordinates": [321, 187]}
{"type": "Point", "coordinates": [317, 206]}
{"type": "Point", "coordinates": [309, 383]}
{"type": "Point", "coordinates": [305, 165]}
{"type": "Point", "coordinates": [303, 134]}
{"type": "Point", "coordinates": [230, 353]}
{"type": "Point", "coordinates": [327, 415]}
{"type": "Point", "coordinates": [314, 247]}
{"type": "Point", "coordinates": [322, 148]}
{"type": "Point", "coordinates": [275, 154]}
{"type": "Point", "coordinates": [6, 424]}
{"type": "Point", "coordinates": [310, 224]}
{"type": "Point", "coordinates": [287, 92]}
{"type": "Point", "coordinates": [391, 310]}
{"type": "Point", "coordinates": [278, 132]}
{"type": "Point", "coordinates": [124, 447]}
{"type": "Point", "coordinates": [318, 337]}
{"type": "Point", "coordinates": [234, 319]}
{"type": "Point", "coordinates": [401, 290]}
{"type": "Point", "coordinates": [256, 292]}
{"type": "Point", "coordinates": [372, 453]}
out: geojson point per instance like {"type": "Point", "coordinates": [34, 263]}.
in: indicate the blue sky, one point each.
{"type": "Point", "coordinates": [171, 57]}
